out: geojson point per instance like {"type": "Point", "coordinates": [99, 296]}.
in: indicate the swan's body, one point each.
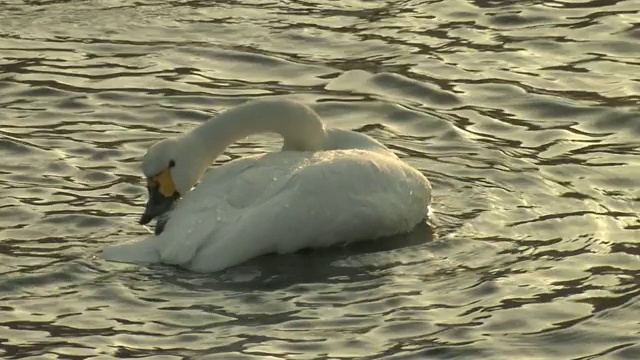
{"type": "Point", "coordinates": [325, 187]}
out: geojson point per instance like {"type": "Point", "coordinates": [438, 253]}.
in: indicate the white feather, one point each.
{"type": "Point", "coordinates": [352, 189]}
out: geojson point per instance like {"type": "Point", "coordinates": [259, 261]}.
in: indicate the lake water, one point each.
{"type": "Point", "coordinates": [525, 115]}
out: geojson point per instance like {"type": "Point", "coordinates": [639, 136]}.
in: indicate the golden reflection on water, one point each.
{"type": "Point", "coordinates": [524, 115]}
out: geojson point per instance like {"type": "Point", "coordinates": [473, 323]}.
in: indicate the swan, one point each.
{"type": "Point", "coordinates": [325, 186]}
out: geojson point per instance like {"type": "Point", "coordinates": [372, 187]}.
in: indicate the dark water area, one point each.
{"type": "Point", "coordinates": [525, 116]}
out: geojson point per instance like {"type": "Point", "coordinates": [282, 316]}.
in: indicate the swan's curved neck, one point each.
{"type": "Point", "coordinates": [300, 127]}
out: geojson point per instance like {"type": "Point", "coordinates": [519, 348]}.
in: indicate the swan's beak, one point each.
{"type": "Point", "coordinates": [162, 195]}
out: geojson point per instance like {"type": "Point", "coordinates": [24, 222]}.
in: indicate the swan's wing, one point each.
{"type": "Point", "coordinates": [225, 195]}
{"type": "Point", "coordinates": [333, 197]}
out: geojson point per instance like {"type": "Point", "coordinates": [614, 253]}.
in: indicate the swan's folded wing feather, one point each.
{"type": "Point", "coordinates": [224, 196]}
{"type": "Point", "coordinates": [318, 206]}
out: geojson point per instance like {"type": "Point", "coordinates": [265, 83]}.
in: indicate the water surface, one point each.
{"type": "Point", "coordinates": [524, 115]}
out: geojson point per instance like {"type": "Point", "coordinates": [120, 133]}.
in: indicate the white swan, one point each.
{"type": "Point", "coordinates": [326, 186]}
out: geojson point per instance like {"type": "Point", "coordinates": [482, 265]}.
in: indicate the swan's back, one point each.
{"type": "Point", "coordinates": [338, 139]}
{"type": "Point", "coordinates": [283, 202]}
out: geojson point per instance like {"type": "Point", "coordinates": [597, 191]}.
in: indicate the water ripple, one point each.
{"type": "Point", "coordinates": [523, 115]}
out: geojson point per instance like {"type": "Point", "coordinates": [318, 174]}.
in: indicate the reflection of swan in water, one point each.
{"type": "Point", "coordinates": [326, 186]}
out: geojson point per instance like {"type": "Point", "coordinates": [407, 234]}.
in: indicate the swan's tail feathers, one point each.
{"type": "Point", "coordinates": [139, 252]}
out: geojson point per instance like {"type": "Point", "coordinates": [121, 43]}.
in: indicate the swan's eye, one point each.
{"type": "Point", "coordinates": [172, 163]}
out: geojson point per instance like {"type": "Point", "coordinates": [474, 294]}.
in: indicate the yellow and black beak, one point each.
{"type": "Point", "coordinates": [162, 195]}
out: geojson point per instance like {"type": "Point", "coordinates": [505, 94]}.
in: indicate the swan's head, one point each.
{"type": "Point", "coordinates": [169, 168]}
